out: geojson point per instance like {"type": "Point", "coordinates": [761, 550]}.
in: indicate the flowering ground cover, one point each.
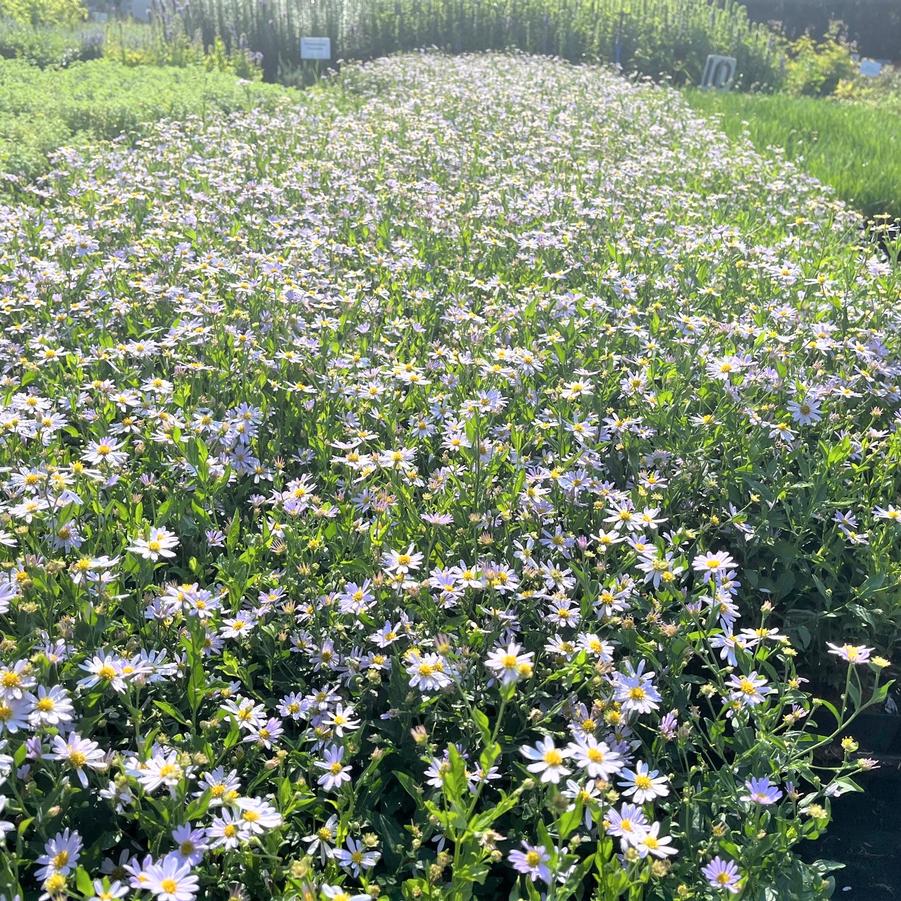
{"type": "Point", "coordinates": [442, 489]}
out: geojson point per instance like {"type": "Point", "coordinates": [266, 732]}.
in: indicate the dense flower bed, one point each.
{"type": "Point", "coordinates": [427, 493]}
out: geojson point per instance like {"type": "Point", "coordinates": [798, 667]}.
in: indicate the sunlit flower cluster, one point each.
{"type": "Point", "coordinates": [431, 491]}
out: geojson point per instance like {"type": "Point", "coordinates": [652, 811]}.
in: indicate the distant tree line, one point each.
{"type": "Point", "coordinates": [658, 38]}
{"type": "Point", "coordinates": [874, 25]}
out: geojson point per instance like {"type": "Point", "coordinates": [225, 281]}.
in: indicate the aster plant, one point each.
{"type": "Point", "coordinates": [479, 480]}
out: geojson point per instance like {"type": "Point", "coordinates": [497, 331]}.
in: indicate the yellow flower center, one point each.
{"type": "Point", "coordinates": [55, 883]}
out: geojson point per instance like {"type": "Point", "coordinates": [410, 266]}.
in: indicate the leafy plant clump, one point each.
{"type": "Point", "coordinates": [816, 68]}
{"type": "Point", "coordinates": [44, 110]}
{"type": "Point", "coordinates": [883, 91]}
{"type": "Point", "coordinates": [50, 46]}
{"type": "Point", "coordinates": [166, 43]}
{"type": "Point", "coordinates": [43, 12]}
{"type": "Point", "coordinates": [160, 43]}
{"type": "Point", "coordinates": [441, 488]}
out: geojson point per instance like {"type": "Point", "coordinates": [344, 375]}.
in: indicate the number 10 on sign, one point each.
{"type": "Point", "coordinates": [719, 72]}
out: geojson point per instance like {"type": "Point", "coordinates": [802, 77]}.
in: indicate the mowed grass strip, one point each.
{"type": "Point", "coordinates": [853, 147]}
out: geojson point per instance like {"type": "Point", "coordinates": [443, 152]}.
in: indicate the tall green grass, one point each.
{"type": "Point", "coordinates": [853, 147]}
{"type": "Point", "coordinates": [652, 37]}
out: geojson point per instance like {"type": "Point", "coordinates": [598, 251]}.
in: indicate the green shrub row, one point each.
{"type": "Point", "coordinates": [50, 45]}
{"type": "Point", "coordinates": [654, 37]}
{"type": "Point", "coordinates": [42, 110]}
{"type": "Point", "coordinates": [874, 25]}
{"type": "Point", "coordinates": [135, 44]}
{"type": "Point", "coordinates": [43, 12]}
{"type": "Point", "coordinates": [661, 38]}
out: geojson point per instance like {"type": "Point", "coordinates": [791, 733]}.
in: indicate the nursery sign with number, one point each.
{"type": "Point", "coordinates": [719, 72]}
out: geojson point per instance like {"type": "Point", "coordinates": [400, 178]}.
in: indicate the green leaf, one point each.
{"type": "Point", "coordinates": [487, 817]}
{"type": "Point", "coordinates": [409, 785]}
{"type": "Point", "coordinates": [198, 807]}
{"type": "Point", "coordinates": [570, 819]}
{"type": "Point", "coordinates": [854, 691]}
{"type": "Point", "coordinates": [482, 723]}
{"type": "Point", "coordinates": [454, 779]}
{"type": "Point", "coordinates": [84, 883]}
{"type": "Point", "coordinates": [234, 531]}
{"type": "Point", "coordinates": [170, 710]}
{"type": "Point", "coordinates": [231, 739]}
{"type": "Point", "coordinates": [196, 683]}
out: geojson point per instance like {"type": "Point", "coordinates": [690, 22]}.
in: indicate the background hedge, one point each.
{"type": "Point", "coordinates": [875, 25]}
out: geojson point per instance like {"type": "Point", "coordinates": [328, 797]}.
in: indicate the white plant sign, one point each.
{"type": "Point", "coordinates": [315, 48]}
{"type": "Point", "coordinates": [870, 68]}
{"type": "Point", "coordinates": [719, 72]}
{"type": "Point", "coordinates": [140, 10]}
